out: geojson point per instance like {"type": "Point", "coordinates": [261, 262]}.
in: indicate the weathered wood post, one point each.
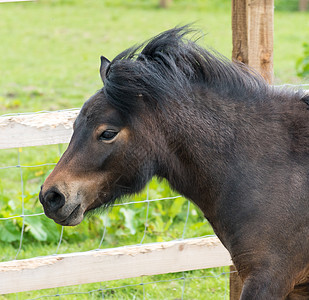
{"type": "Point", "coordinates": [235, 284]}
{"type": "Point", "coordinates": [165, 3]}
{"type": "Point", "coordinates": [303, 5]}
{"type": "Point", "coordinates": [253, 28]}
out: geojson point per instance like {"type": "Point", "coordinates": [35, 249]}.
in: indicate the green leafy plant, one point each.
{"type": "Point", "coordinates": [162, 220]}
{"type": "Point", "coordinates": [302, 64]}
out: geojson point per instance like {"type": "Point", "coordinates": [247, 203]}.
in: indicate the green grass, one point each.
{"type": "Point", "coordinates": [201, 284]}
{"type": "Point", "coordinates": [53, 61]}
{"type": "Point", "coordinates": [49, 52]}
{"type": "Point", "coordinates": [49, 60]}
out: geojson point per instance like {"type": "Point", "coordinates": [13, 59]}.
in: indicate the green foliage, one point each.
{"type": "Point", "coordinates": [163, 221]}
{"type": "Point", "coordinates": [9, 232]}
{"type": "Point", "coordinates": [9, 103]}
{"type": "Point", "coordinates": [37, 228]}
{"type": "Point", "coordinates": [302, 64]}
{"type": "Point", "coordinates": [286, 5]}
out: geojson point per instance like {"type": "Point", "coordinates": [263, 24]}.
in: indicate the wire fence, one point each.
{"type": "Point", "coordinates": [21, 180]}
{"type": "Point", "coordinates": [158, 214]}
{"type": "Point", "coordinates": [102, 291]}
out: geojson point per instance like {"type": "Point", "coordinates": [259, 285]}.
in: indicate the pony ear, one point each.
{"type": "Point", "coordinates": [104, 65]}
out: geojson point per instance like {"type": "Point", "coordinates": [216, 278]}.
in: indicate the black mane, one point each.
{"type": "Point", "coordinates": [171, 66]}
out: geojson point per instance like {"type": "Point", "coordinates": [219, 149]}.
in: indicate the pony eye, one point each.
{"type": "Point", "coordinates": [107, 135]}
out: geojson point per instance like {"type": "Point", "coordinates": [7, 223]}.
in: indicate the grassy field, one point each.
{"type": "Point", "coordinates": [49, 52]}
{"type": "Point", "coordinates": [49, 60]}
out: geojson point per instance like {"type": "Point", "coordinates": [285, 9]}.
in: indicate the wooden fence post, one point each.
{"type": "Point", "coordinates": [303, 5]}
{"type": "Point", "coordinates": [235, 284]}
{"type": "Point", "coordinates": [253, 27]}
{"type": "Point", "coordinates": [165, 3]}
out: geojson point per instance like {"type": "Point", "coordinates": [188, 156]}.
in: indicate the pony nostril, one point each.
{"type": "Point", "coordinates": [54, 199]}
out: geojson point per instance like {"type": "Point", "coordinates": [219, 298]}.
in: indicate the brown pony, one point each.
{"type": "Point", "coordinates": [237, 147]}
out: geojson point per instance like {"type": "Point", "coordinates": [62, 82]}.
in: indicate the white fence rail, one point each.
{"type": "Point", "coordinates": [43, 128]}
{"type": "Point", "coordinates": [112, 264]}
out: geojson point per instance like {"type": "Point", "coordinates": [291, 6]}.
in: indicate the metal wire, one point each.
{"type": "Point", "coordinates": [39, 112]}
{"type": "Point", "coordinates": [60, 240]}
{"type": "Point", "coordinates": [23, 206]}
{"type": "Point", "coordinates": [147, 214]}
{"type": "Point", "coordinates": [134, 285]}
{"type": "Point", "coordinates": [34, 166]}
{"type": "Point", "coordinates": [293, 85]}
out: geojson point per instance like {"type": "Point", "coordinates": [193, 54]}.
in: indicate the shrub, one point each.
{"type": "Point", "coordinates": [302, 64]}
{"type": "Point", "coordinates": [286, 5]}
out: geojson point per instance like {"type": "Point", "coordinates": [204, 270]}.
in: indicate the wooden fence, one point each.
{"type": "Point", "coordinates": [111, 264]}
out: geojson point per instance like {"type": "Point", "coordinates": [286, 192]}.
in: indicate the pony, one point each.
{"type": "Point", "coordinates": [219, 134]}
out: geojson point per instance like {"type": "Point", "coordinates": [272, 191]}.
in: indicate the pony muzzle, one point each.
{"type": "Point", "coordinates": [57, 207]}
